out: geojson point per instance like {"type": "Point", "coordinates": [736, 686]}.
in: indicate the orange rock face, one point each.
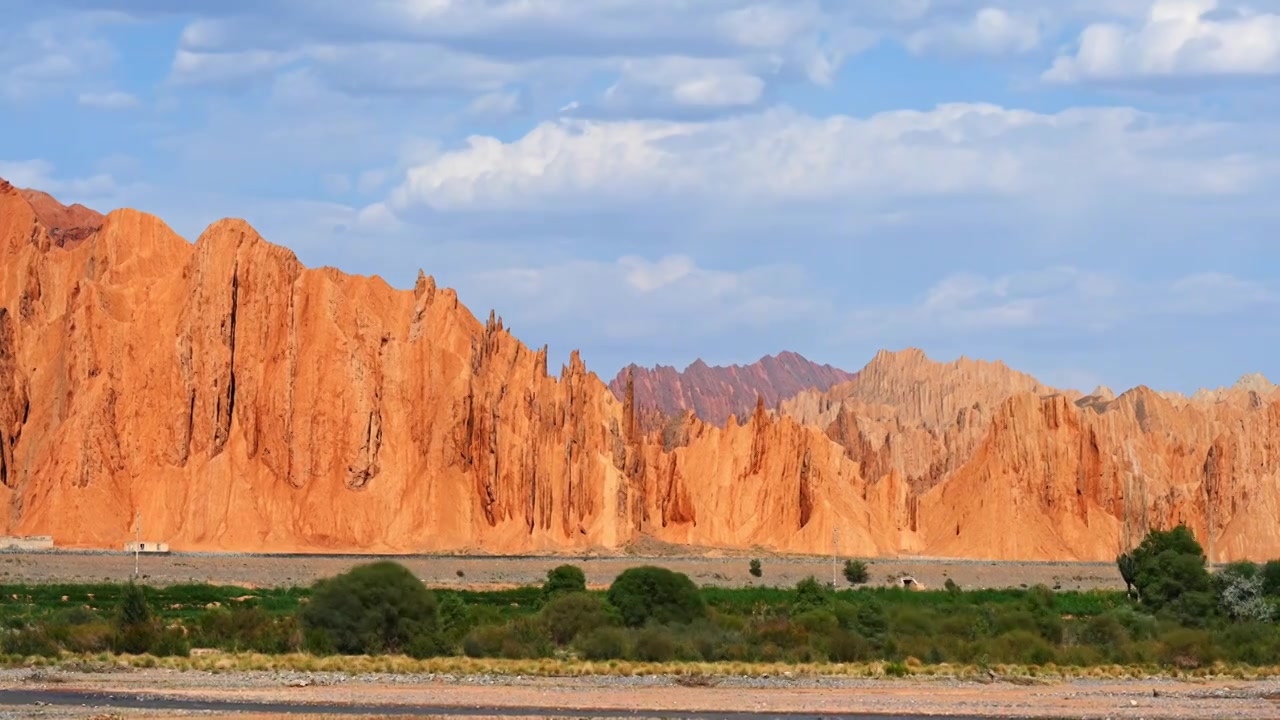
{"type": "Point", "coordinates": [235, 400]}
{"type": "Point", "coordinates": [713, 393]}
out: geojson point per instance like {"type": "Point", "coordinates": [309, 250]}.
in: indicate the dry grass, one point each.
{"type": "Point", "coordinates": [686, 673]}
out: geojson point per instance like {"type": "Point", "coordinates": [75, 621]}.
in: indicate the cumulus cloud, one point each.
{"type": "Point", "coordinates": [1179, 38]}
{"type": "Point", "coordinates": [670, 300]}
{"type": "Point", "coordinates": [781, 155]}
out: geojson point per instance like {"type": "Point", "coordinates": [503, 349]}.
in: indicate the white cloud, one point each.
{"type": "Point", "coordinates": [662, 84]}
{"type": "Point", "coordinates": [677, 54]}
{"type": "Point", "coordinates": [1211, 293]}
{"type": "Point", "coordinates": [991, 31]}
{"type": "Point", "coordinates": [51, 56]}
{"type": "Point", "coordinates": [496, 104]}
{"type": "Point", "coordinates": [670, 300]}
{"type": "Point", "coordinates": [1062, 299]}
{"type": "Point", "coordinates": [1179, 38]}
{"type": "Point", "coordinates": [779, 156]}
{"type": "Point", "coordinates": [114, 100]}
{"type": "Point", "coordinates": [41, 175]}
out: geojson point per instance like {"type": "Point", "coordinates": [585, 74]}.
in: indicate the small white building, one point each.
{"type": "Point", "coordinates": [27, 542]}
{"type": "Point", "coordinates": [144, 546]}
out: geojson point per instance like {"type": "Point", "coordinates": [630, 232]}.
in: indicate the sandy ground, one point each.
{"type": "Point", "coordinates": [268, 571]}
{"type": "Point", "coordinates": [1148, 699]}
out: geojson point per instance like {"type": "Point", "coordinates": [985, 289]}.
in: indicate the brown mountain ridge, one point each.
{"type": "Point", "coordinates": [237, 400]}
{"type": "Point", "coordinates": [715, 392]}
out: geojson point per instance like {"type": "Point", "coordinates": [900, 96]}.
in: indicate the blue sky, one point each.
{"type": "Point", "coordinates": [1082, 188]}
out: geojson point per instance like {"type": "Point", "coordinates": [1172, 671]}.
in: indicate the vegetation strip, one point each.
{"type": "Point", "coordinates": [1177, 618]}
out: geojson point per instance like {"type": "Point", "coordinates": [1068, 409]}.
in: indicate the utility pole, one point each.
{"type": "Point", "coordinates": [137, 536]}
{"type": "Point", "coordinates": [835, 541]}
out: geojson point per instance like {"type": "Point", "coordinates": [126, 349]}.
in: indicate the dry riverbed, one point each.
{"type": "Point", "coordinates": [480, 695]}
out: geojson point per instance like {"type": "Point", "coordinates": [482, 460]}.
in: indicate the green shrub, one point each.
{"type": "Point", "coordinates": [29, 642]}
{"type": "Point", "coordinates": [371, 609]}
{"type": "Point", "coordinates": [655, 644]}
{"type": "Point", "coordinates": [526, 639]}
{"type": "Point", "coordinates": [1241, 594]}
{"type": "Point", "coordinates": [810, 595]}
{"type": "Point", "coordinates": [484, 641]}
{"type": "Point", "coordinates": [88, 638]}
{"type": "Point", "coordinates": [870, 622]}
{"type": "Point", "coordinates": [570, 614]}
{"type": "Point", "coordinates": [1271, 578]}
{"type": "Point", "coordinates": [604, 643]}
{"type": "Point", "coordinates": [817, 622]}
{"type": "Point", "coordinates": [754, 569]}
{"type": "Point", "coordinates": [1187, 648]}
{"type": "Point", "coordinates": [649, 593]}
{"type": "Point", "coordinates": [1104, 631]}
{"type": "Point", "coordinates": [564, 578]}
{"type": "Point", "coordinates": [855, 572]}
{"type": "Point", "coordinates": [455, 620]}
{"type": "Point", "coordinates": [135, 639]}
{"type": "Point", "coordinates": [134, 609]}
{"type": "Point", "coordinates": [170, 643]}
{"type": "Point", "coordinates": [847, 647]}
{"type": "Point", "coordinates": [251, 629]}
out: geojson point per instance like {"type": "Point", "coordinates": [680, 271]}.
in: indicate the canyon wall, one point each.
{"type": "Point", "coordinates": [234, 400]}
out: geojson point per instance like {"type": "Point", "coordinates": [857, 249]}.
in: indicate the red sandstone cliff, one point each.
{"type": "Point", "coordinates": [714, 393]}
{"type": "Point", "coordinates": [240, 401]}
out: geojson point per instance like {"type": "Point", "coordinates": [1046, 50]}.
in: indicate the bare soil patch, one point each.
{"type": "Point", "coordinates": [477, 572]}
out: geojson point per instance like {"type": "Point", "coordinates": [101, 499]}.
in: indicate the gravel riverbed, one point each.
{"type": "Point", "coordinates": [584, 696]}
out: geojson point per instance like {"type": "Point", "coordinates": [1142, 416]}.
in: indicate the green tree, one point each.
{"type": "Point", "coordinates": [1271, 578]}
{"type": "Point", "coordinates": [810, 595]}
{"type": "Point", "coordinates": [135, 632]}
{"type": "Point", "coordinates": [134, 608]}
{"type": "Point", "coordinates": [1171, 575]}
{"type": "Point", "coordinates": [1128, 567]}
{"type": "Point", "coordinates": [565, 578]}
{"type": "Point", "coordinates": [755, 568]}
{"type": "Point", "coordinates": [653, 593]}
{"type": "Point", "coordinates": [855, 571]}
{"type": "Point", "coordinates": [372, 609]}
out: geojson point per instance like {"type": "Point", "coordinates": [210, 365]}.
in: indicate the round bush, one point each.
{"type": "Point", "coordinates": [565, 578]}
{"type": "Point", "coordinates": [372, 609]}
{"type": "Point", "coordinates": [649, 593]}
